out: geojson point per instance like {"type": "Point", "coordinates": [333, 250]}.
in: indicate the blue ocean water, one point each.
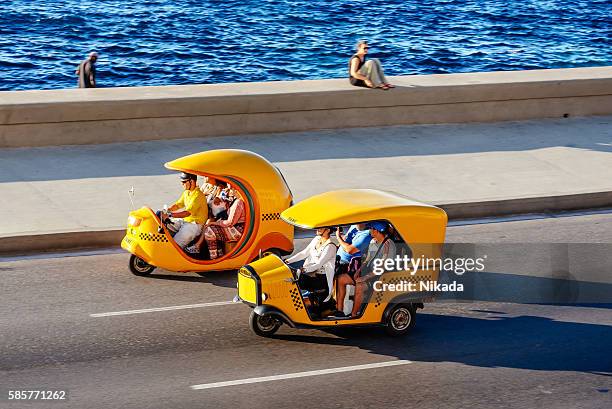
{"type": "Point", "coordinates": [162, 42]}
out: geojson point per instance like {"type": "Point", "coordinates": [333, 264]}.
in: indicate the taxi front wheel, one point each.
{"type": "Point", "coordinates": [263, 325]}
{"type": "Point", "coordinates": [401, 320]}
{"type": "Point", "coordinates": [140, 267]}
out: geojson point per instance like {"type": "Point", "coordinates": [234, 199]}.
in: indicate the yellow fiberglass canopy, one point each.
{"type": "Point", "coordinates": [418, 221]}
{"type": "Point", "coordinates": [247, 166]}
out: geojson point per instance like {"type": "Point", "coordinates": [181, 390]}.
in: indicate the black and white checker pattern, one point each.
{"type": "Point", "coordinates": [396, 280]}
{"type": "Point", "coordinates": [153, 237]}
{"type": "Point", "coordinates": [297, 299]}
{"type": "Point", "coordinates": [266, 217]}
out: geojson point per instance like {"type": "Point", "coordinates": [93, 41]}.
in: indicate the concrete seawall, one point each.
{"type": "Point", "coordinates": [44, 118]}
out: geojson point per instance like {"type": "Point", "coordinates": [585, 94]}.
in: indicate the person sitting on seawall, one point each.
{"type": "Point", "coordinates": [319, 257]}
{"type": "Point", "coordinates": [222, 230]}
{"type": "Point", "coordinates": [368, 73]}
{"type": "Point", "coordinates": [187, 223]}
{"type": "Point", "coordinates": [353, 244]}
{"type": "Point", "coordinates": [381, 248]}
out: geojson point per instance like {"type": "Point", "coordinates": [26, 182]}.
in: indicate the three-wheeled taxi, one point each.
{"type": "Point", "coordinates": [272, 289]}
{"type": "Point", "coordinates": [265, 193]}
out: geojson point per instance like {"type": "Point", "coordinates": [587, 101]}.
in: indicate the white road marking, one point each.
{"type": "Point", "coordinates": [170, 308]}
{"type": "Point", "coordinates": [299, 374]}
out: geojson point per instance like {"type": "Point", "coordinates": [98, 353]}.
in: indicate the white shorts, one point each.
{"type": "Point", "coordinates": [186, 231]}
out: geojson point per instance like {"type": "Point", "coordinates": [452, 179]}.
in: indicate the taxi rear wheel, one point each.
{"type": "Point", "coordinates": [401, 320]}
{"type": "Point", "coordinates": [264, 325]}
{"type": "Point", "coordinates": [140, 267]}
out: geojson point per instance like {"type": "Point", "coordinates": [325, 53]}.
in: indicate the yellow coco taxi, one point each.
{"type": "Point", "coordinates": [272, 288]}
{"type": "Point", "coordinates": [265, 194]}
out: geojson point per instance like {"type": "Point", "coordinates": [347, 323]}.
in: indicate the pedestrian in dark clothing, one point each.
{"type": "Point", "coordinates": [87, 71]}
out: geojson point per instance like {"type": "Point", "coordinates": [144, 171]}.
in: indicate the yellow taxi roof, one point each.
{"type": "Point", "coordinates": [347, 206]}
{"type": "Point", "coordinates": [229, 162]}
{"type": "Point", "coordinates": [350, 206]}
{"type": "Point", "coordinates": [249, 167]}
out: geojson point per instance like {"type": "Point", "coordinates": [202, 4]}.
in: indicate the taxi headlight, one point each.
{"type": "Point", "coordinates": [264, 296]}
{"type": "Point", "coordinates": [134, 221]}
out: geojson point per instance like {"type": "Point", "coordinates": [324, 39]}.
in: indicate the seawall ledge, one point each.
{"type": "Point", "coordinates": [106, 115]}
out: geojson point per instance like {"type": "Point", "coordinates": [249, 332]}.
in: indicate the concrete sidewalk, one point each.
{"type": "Point", "coordinates": [85, 188]}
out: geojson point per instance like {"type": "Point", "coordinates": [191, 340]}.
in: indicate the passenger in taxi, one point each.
{"type": "Point", "coordinates": [223, 230]}
{"type": "Point", "coordinates": [352, 244]}
{"type": "Point", "coordinates": [218, 208]}
{"type": "Point", "coordinates": [216, 198]}
{"type": "Point", "coordinates": [187, 223]}
{"type": "Point", "coordinates": [381, 248]}
{"type": "Point", "coordinates": [210, 188]}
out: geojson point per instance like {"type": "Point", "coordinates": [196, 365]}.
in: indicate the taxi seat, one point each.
{"type": "Point", "coordinates": [228, 246]}
{"type": "Point", "coordinates": [348, 299]}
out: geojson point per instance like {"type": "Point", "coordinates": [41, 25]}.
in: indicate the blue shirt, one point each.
{"type": "Point", "coordinates": [358, 238]}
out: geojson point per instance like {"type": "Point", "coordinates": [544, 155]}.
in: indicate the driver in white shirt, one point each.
{"type": "Point", "coordinates": [319, 263]}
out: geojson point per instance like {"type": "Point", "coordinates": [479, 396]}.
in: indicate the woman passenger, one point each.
{"type": "Point", "coordinates": [210, 188]}
{"type": "Point", "coordinates": [218, 208]}
{"type": "Point", "coordinates": [222, 230]}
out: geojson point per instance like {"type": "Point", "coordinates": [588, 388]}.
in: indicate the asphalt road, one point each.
{"type": "Point", "coordinates": [464, 354]}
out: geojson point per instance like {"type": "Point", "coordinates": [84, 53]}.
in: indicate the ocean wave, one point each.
{"type": "Point", "coordinates": [162, 42]}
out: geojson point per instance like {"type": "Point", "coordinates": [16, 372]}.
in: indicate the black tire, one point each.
{"type": "Point", "coordinates": [140, 267]}
{"type": "Point", "coordinates": [401, 320]}
{"type": "Point", "coordinates": [264, 325]}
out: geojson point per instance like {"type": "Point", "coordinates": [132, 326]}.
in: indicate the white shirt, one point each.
{"type": "Point", "coordinates": [321, 260]}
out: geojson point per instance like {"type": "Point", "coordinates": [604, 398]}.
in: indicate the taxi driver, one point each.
{"type": "Point", "coordinates": [187, 223]}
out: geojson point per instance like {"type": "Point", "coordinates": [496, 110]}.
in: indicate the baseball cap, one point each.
{"type": "Point", "coordinates": [187, 176]}
{"type": "Point", "coordinates": [380, 226]}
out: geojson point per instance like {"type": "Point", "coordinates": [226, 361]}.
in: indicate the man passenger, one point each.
{"type": "Point", "coordinates": [353, 244]}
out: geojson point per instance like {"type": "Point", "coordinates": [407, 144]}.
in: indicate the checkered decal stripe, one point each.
{"type": "Point", "coordinates": [396, 280]}
{"type": "Point", "coordinates": [266, 217]}
{"type": "Point", "coordinates": [297, 299]}
{"type": "Point", "coordinates": [153, 237]}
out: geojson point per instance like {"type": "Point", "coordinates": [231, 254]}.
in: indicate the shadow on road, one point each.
{"type": "Point", "coordinates": [218, 278]}
{"type": "Point", "coordinates": [173, 277]}
{"type": "Point", "coordinates": [523, 342]}
{"type": "Point", "coordinates": [523, 289]}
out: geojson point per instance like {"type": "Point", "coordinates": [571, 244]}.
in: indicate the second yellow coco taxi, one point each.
{"type": "Point", "coordinates": [272, 288]}
{"type": "Point", "coordinates": [265, 193]}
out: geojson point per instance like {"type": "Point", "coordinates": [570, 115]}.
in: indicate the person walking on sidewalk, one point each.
{"type": "Point", "coordinates": [368, 73]}
{"type": "Point", "coordinates": [86, 71]}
